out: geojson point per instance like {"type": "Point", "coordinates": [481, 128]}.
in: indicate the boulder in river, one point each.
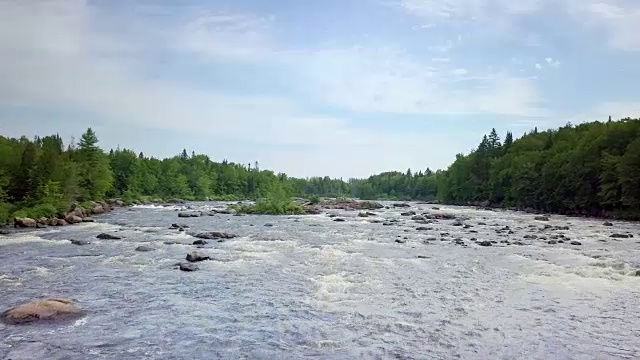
{"type": "Point", "coordinates": [541, 218]}
{"type": "Point", "coordinates": [400, 241]}
{"type": "Point", "coordinates": [401, 205]}
{"type": "Point", "coordinates": [268, 225]}
{"type": "Point", "coordinates": [339, 220]}
{"type": "Point", "coordinates": [552, 242]}
{"type": "Point", "coordinates": [409, 213]}
{"type": "Point", "coordinates": [213, 235]}
{"type": "Point", "coordinates": [620, 236]}
{"type": "Point", "coordinates": [179, 226]}
{"type": "Point", "coordinates": [187, 267]}
{"type": "Point", "coordinates": [189, 214]}
{"type": "Point", "coordinates": [24, 222]}
{"type": "Point", "coordinates": [363, 215]}
{"type": "Point", "coordinates": [422, 228]}
{"type": "Point", "coordinates": [80, 242]}
{"type": "Point", "coordinates": [88, 220]}
{"type": "Point", "coordinates": [457, 223]}
{"type": "Point", "coordinates": [42, 310]}
{"type": "Point", "coordinates": [196, 257]}
{"type": "Point", "coordinates": [574, 242]}
{"type": "Point", "coordinates": [200, 242]}
{"type": "Point", "coordinates": [73, 219]}
{"type": "Point", "coordinates": [608, 223]}
{"type": "Point", "coordinates": [144, 248]}
{"type": "Point", "coordinates": [485, 243]}
{"type": "Point", "coordinates": [418, 218]}
{"type": "Point", "coordinates": [105, 236]}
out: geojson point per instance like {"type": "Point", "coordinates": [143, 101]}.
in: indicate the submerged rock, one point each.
{"type": "Point", "coordinates": [197, 257]}
{"type": "Point", "coordinates": [408, 213]}
{"type": "Point", "coordinates": [541, 218]}
{"type": "Point", "coordinates": [574, 242]}
{"type": "Point", "coordinates": [401, 241]}
{"type": "Point", "coordinates": [200, 242]}
{"type": "Point", "coordinates": [42, 310]}
{"type": "Point", "coordinates": [213, 235]}
{"type": "Point", "coordinates": [423, 228]}
{"type": "Point", "coordinates": [608, 223]}
{"type": "Point", "coordinates": [339, 220]}
{"type": "Point", "coordinates": [88, 220]}
{"type": "Point", "coordinates": [189, 214]}
{"type": "Point", "coordinates": [401, 205]}
{"type": "Point", "coordinates": [80, 242]}
{"type": "Point", "coordinates": [144, 248]}
{"type": "Point", "coordinates": [105, 236]}
{"type": "Point", "coordinates": [485, 243]}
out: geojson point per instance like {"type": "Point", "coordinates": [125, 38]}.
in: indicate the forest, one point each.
{"type": "Point", "coordinates": [591, 169]}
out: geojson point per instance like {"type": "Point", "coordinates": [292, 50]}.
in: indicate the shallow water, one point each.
{"type": "Point", "coordinates": [312, 287]}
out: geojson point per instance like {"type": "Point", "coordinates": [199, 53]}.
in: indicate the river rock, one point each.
{"type": "Point", "coordinates": [339, 220]}
{"type": "Point", "coordinates": [200, 242]}
{"type": "Point", "coordinates": [80, 242]}
{"type": "Point", "coordinates": [369, 213]}
{"type": "Point", "coordinates": [144, 248]}
{"type": "Point", "coordinates": [175, 201]}
{"type": "Point", "coordinates": [179, 226]}
{"type": "Point", "coordinates": [268, 225]}
{"type": "Point", "coordinates": [363, 215]}
{"type": "Point", "coordinates": [457, 223]}
{"type": "Point", "coordinates": [73, 219]}
{"type": "Point", "coordinates": [400, 241]}
{"type": "Point", "coordinates": [42, 310]}
{"type": "Point", "coordinates": [197, 257]}
{"type": "Point", "coordinates": [408, 213]}
{"type": "Point", "coordinates": [418, 218]}
{"type": "Point", "coordinates": [541, 218]}
{"type": "Point", "coordinates": [24, 222]}
{"type": "Point", "coordinates": [423, 228]}
{"type": "Point", "coordinates": [401, 205]}
{"type": "Point", "coordinates": [620, 236]}
{"type": "Point", "coordinates": [552, 242]}
{"type": "Point", "coordinates": [189, 214]}
{"type": "Point", "coordinates": [213, 235]}
{"type": "Point", "coordinates": [105, 236]}
{"type": "Point", "coordinates": [574, 242]}
{"type": "Point", "coordinates": [187, 267]}
{"type": "Point", "coordinates": [88, 220]}
{"type": "Point", "coordinates": [485, 243]}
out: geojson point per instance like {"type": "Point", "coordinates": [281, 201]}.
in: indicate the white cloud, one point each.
{"type": "Point", "coordinates": [538, 66]}
{"type": "Point", "coordinates": [551, 62]}
{"type": "Point", "coordinates": [460, 71]}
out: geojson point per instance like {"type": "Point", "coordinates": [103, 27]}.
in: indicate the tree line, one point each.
{"type": "Point", "coordinates": [589, 169]}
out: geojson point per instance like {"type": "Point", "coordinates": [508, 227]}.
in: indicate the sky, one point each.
{"type": "Point", "coordinates": [344, 88]}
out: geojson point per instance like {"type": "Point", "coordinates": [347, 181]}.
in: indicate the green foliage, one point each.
{"type": "Point", "coordinates": [314, 199]}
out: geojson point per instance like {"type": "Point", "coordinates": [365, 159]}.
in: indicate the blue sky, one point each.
{"type": "Point", "coordinates": [339, 87]}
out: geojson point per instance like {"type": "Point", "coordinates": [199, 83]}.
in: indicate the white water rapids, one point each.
{"type": "Point", "coordinates": [312, 287]}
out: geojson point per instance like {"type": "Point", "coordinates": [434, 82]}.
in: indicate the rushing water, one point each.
{"type": "Point", "coordinates": [312, 287]}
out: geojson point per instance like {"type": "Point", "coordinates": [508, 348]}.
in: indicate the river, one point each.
{"type": "Point", "coordinates": [312, 287]}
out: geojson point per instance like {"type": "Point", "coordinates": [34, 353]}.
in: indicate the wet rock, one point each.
{"type": "Point", "coordinates": [50, 309]}
{"type": "Point", "coordinates": [401, 205]}
{"type": "Point", "coordinates": [574, 242]}
{"type": "Point", "coordinates": [541, 218]}
{"type": "Point", "coordinates": [268, 225]}
{"type": "Point", "coordinates": [24, 222]}
{"type": "Point", "coordinates": [485, 243]}
{"type": "Point", "coordinates": [388, 223]}
{"type": "Point", "coordinates": [179, 226]}
{"type": "Point", "coordinates": [459, 241]}
{"type": "Point", "coordinates": [530, 237]}
{"type": "Point", "coordinates": [73, 219]}
{"type": "Point", "coordinates": [608, 223]}
{"type": "Point", "coordinates": [519, 243]}
{"type": "Point", "coordinates": [467, 226]}
{"type": "Point", "coordinates": [40, 226]}
{"type": "Point", "coordinates": [213, 235]}
{"type": "Point", "coordinates": [505, 242]}
{"type": "Point", "coordinates": [423, 228]}
{"type": "Point", "coordinates": [457, 223]}
{"type": "Point", "coordinates": [637, 273]}
{"type": "Point", "coordinates": [197, 257]}
{"type": "Point", "coordinates": [339, 220]}
{"type": "Point", "coordinates": [435, 208]}
{"type": "Point", "coordinates": [80, 242]}
{"type": "Point", "coordinates": [190, 214]}
{"type": "Point", "coordinates": [619, 236]}
{"type": "Point", "coordinates": [375, 221]}
{"type": "Point", "coordinates": [444, 234]}
{"type": "Point", "coordinates": [552, 242]}
{"type": "Point", "coordinates": [333, 215]}
{"type": "Point", "coordinates": [144, 248]}
{"type": "Point", "coordinates": [88, 220]}
{"type": "Point", "coordinates": [105, 236]}
{"type": "Point", "coordinates": [510, 232]}
{"type": "Point", "coordinates": [408, 213]}
{"type": "Point", "coordinates": [176, 201]}
{"type": "Point", "coordinates": [400, 241]}
{"type": "Point", "coordinates": [187, 267]}
{"type": "Point", "coordinates": [562, 228]}
{"type": "Point", "coordinates": [200, 242]}
{"type": "Point", "coordinates": [423, 257]}
{"type": "Point", "coordinates": [482, 223]}
{"type": "Point", "coordinates": [363, 215]}
{"type": "Point", "coordinates": [473, 231]}
{"type": "Point", "coordinates": [560, 241]}
{"type": "Point", "coordinates": [418, 218]}
{"type": "Point", "coordinates": [431, 239]}
{"type": "Point", "coordinates": [369, 213]}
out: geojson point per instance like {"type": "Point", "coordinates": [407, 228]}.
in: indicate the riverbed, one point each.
{"type": "Point", "coordinates": [309, 286]}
